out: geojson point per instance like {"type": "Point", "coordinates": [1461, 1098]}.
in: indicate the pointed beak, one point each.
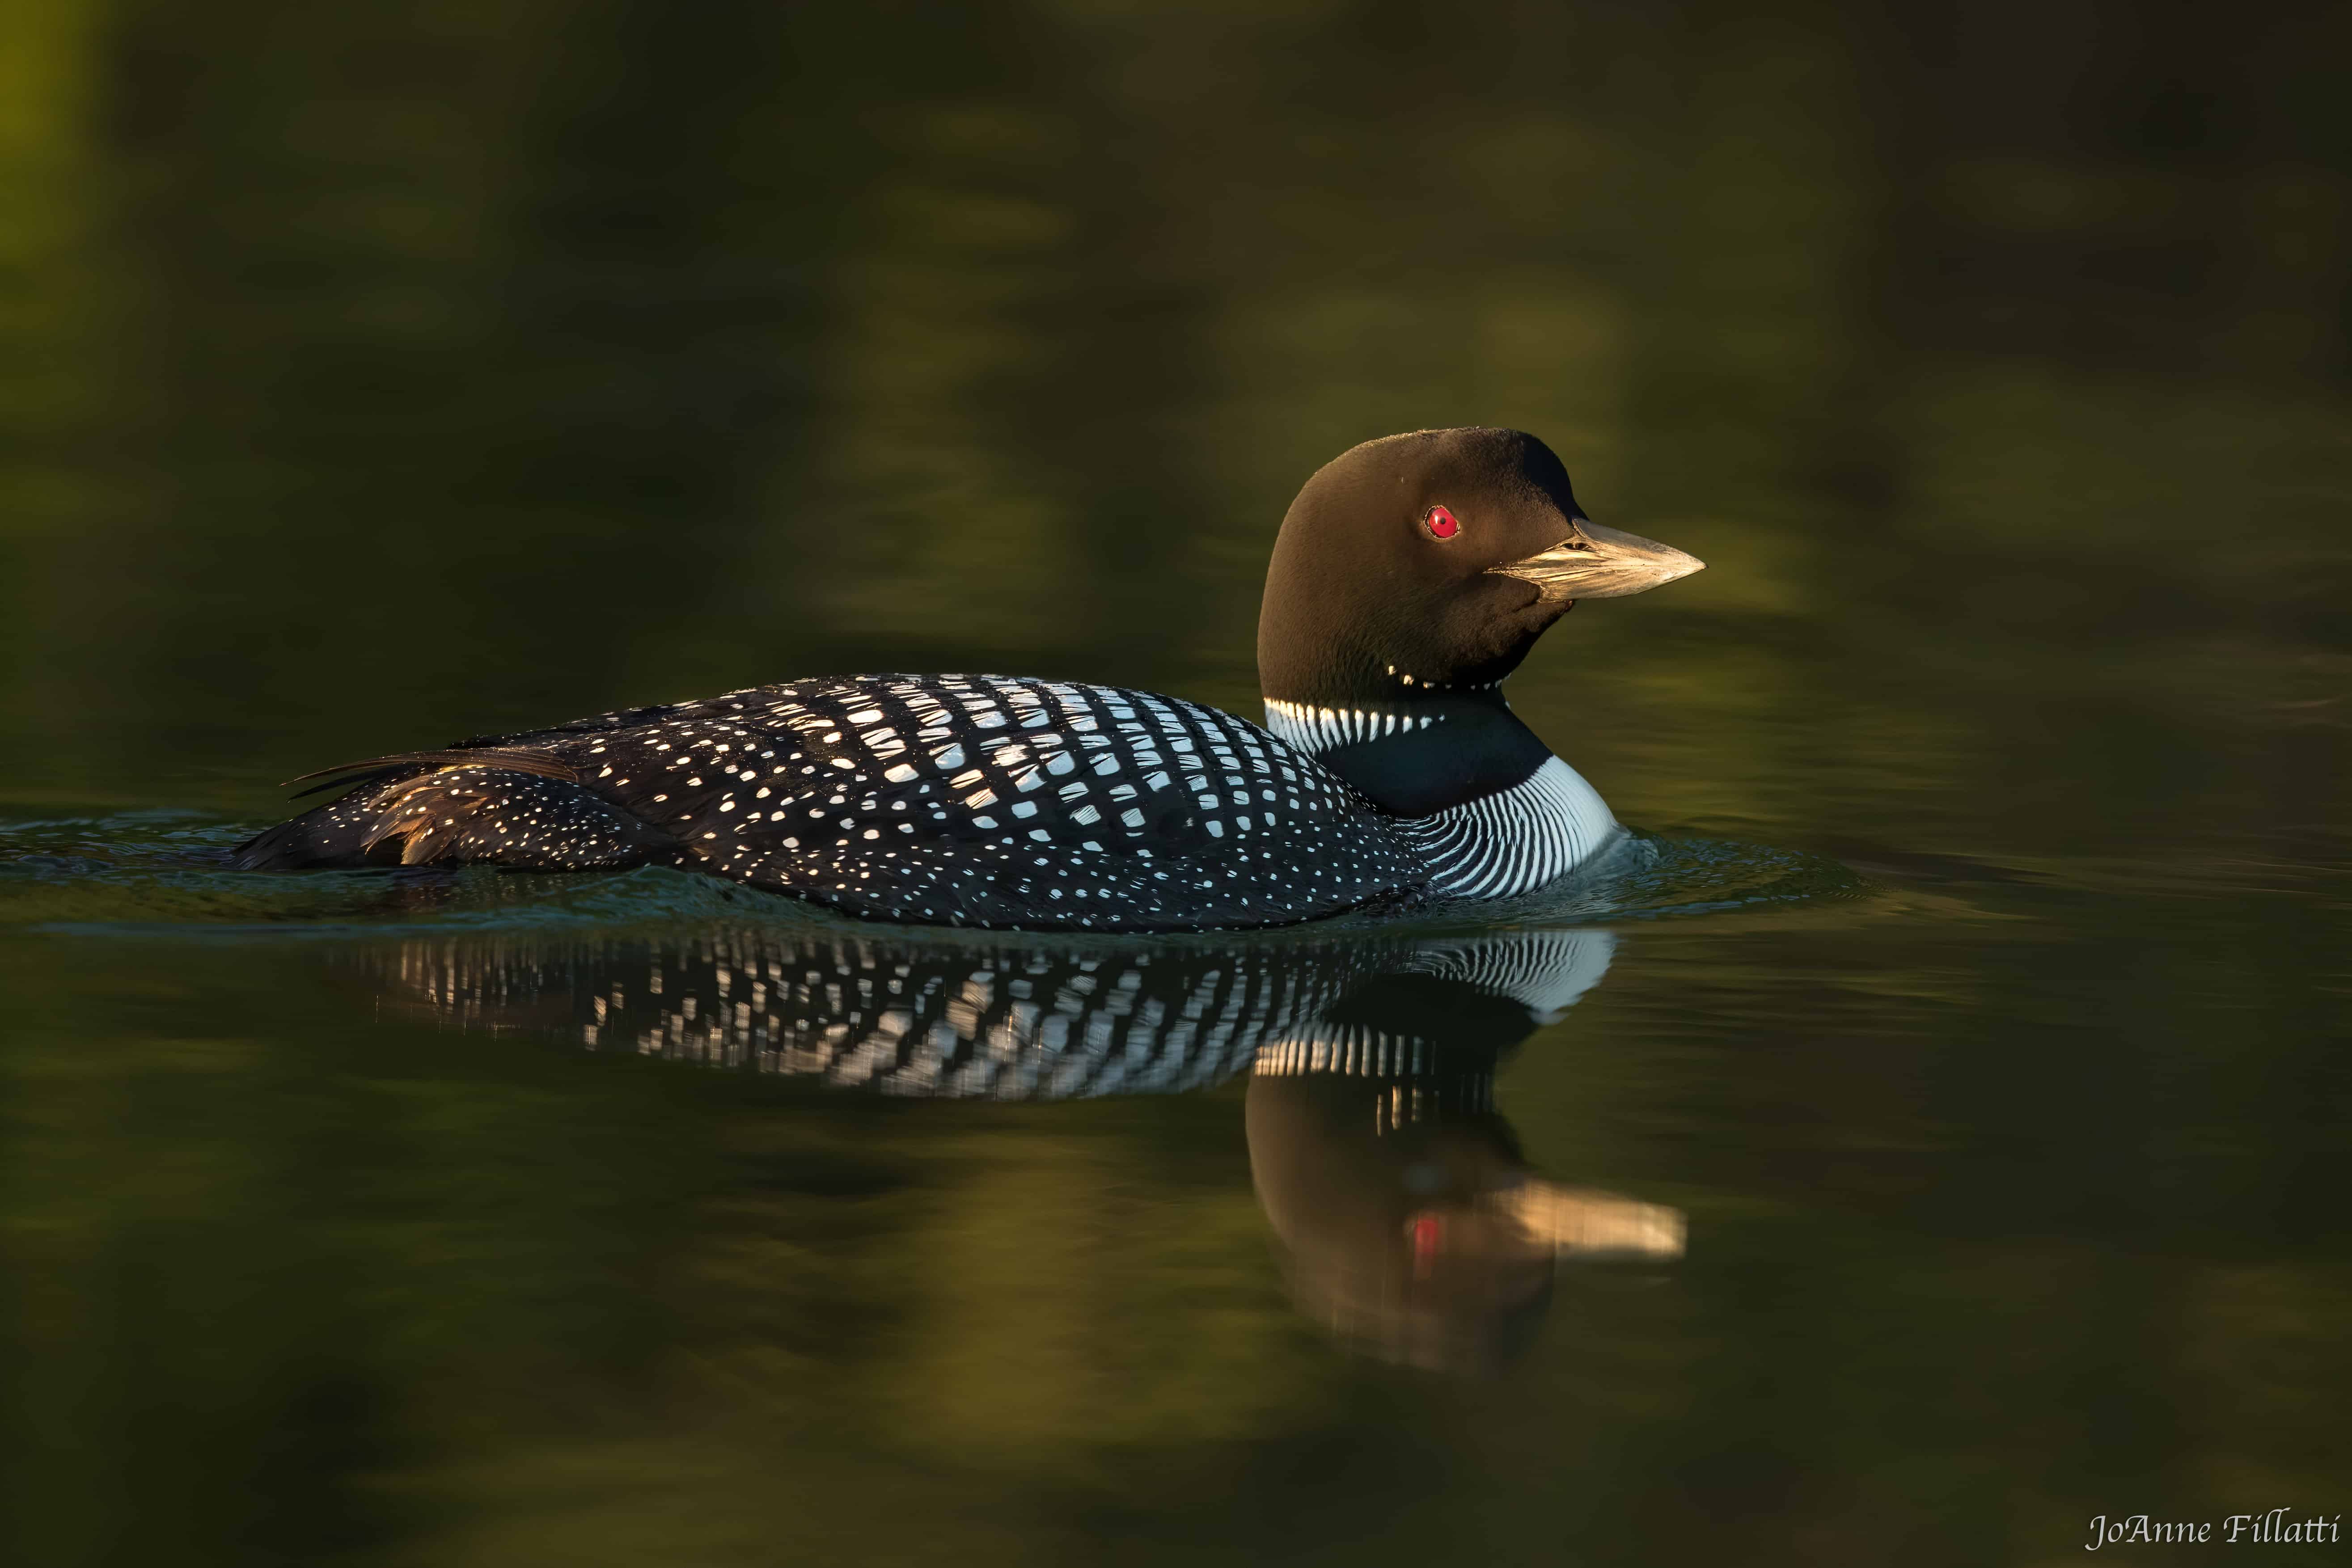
{"type": "Point", "coordinates": [1577, 1221]}
{"type": "Point", "coordinates": [1597, 563]}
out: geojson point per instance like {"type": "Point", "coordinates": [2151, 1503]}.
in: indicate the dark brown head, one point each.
{"type": "Point", "coordinates": [1431, 561]}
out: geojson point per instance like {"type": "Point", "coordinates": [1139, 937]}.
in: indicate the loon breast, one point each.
{"type": "Point", "coordinates": [1514, 840]}
{"type": "Point", "coordinates": [1525, 819]}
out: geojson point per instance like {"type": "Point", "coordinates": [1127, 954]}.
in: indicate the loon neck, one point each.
{"type": "Point", "coordinates": [1418, 753]}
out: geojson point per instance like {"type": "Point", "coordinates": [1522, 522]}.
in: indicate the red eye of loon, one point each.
{"type": "Point", "coordinates": [1439, 523]}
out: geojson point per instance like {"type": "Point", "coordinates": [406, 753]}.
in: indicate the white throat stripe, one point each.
{"type": "Point", "coordinates": [1313, 728]}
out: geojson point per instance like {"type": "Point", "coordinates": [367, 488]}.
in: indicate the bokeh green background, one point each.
{"type": "Point", "coordinates": [376, 373]}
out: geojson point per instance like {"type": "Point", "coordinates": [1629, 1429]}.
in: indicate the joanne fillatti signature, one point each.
{"type": "Point", "coordinates": [2273, 1528]}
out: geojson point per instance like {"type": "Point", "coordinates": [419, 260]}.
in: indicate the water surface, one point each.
{"type": "Point", "coordinates": [1933, 1141]}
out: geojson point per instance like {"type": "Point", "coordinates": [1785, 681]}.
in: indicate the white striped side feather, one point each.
{"type": "Point", "coordinates": [1535, 832]}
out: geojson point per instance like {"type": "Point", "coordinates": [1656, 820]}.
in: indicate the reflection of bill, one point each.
{"type": "Point", "coordinates": [1407, 1219]}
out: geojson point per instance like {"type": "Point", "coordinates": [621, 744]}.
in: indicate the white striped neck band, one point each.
{"type": "Point", "coordinates": [1313, 728]}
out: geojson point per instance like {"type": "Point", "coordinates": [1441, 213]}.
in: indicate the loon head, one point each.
{"type": "Point", "coordinates": [1430, 562]}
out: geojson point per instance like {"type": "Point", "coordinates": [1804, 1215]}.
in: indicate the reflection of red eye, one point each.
{"type": "Point", "coordinates": [1428, 1233]}
{"type": "Point", "coordinates": [1439, 523]}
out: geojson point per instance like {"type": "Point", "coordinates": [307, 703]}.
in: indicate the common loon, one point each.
{"type": "Point", "coordinates": [1412, 576]}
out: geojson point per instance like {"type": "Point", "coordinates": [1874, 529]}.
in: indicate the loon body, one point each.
{"type": "Point", "coordinates": [1410, 577]}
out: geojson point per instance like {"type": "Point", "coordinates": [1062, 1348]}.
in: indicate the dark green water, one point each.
{"type": "Point", "coordinates": [375, 374]}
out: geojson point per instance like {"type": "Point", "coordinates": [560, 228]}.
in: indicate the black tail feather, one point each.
{"type": "Point", "coordinates": [512, 759]}
{"type": "Point", "coordinates": [499, 806]}
{"type": "Point", "coordinates": [344, 780]}
{"type": "Point", "coordinates": [323, 837]}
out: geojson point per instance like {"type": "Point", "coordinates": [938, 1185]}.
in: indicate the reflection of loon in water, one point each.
{"type": "Point", "coordinates": [1408, 1219]}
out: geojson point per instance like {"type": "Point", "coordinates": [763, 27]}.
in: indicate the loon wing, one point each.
{"type": "Point", "coordinates": [973, 800]}
{"type": "Point", "coordinates": [988, 800]}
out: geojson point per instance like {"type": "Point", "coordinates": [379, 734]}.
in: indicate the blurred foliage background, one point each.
{"type": "Point", "coordinates": [377, 374]}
